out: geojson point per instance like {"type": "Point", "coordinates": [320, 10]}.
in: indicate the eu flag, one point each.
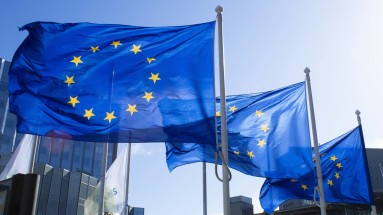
{"type": "Point", "coordinates": [115, 83]}
{"type": "Point", "coordinates": [268, 135]}
{"type": "Point", "coordinates": [344, 171]}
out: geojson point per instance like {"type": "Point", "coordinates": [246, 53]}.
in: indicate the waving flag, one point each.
{"type": "Point", "coordinates": [21, 159]}
{"type": "Point", "coordinates": [268, 135]}
{"type": "Point", "coordinates": [115, 185]}
{"type": "Point", "coordinates": [115, 83]}
{"type": "Point", "coordinates": [344, 172]}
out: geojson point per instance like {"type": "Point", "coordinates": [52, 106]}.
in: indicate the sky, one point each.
{"type": "Point", "coordinates": [267, 44]}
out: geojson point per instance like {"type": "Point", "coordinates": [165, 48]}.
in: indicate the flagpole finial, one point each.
{"type": "Point", "coordinates": [307, 70]}
{"type": "Point", "coordinates": [219, 9]}
{"type": "Point", "coordinates": [357, 112]}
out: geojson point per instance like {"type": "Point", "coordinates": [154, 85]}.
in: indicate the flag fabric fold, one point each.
{"type": "Point", "coordinates": [115, 185]}
{"type": "Point", "coordinates": [115, 83]}
{"type": "Point", "coordinates": [21, 159]}
{"type": "Point", "coordinates": [344, 173]}
{"type": "Point", "coordinates": [268, 135]}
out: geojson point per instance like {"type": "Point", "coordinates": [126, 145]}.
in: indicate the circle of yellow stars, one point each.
{"type": "Point", "coordinates": [132, 108]}
{"type": "Point", "coordinates": [264, 128]}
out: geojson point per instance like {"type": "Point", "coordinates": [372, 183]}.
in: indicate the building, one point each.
{"type": "Point", "coordinates": [61, 191]}
{"type": "Point", "coordinates": [18, 194]}
{"type": "Point", "coordinates": [375, 165]}
{"type": "Point", "coordinates": [241, 205]}
{"type": "Point", "coordinates": [66, 154]}
{"type": "Point", "coordinates": [136, 211]}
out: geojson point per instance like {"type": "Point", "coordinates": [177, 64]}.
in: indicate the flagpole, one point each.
{"type": "Point", "coordinates": [32, 163]}
{"type": "Point", "coordinates": [127, 179]}
{"type": "Point", "coordinates": [373, 207]}
{"type": "Point", "coordinates": [102, 182]}
{"type": "Point", "coordinates": [322, 202]}
{"type": "Point", "coordinates": [204, 195]}
{"type": "Point", "coordinates": [224, 142]}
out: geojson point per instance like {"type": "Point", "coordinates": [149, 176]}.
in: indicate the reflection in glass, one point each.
{"type": "Point", "coordinates": [78, 155]}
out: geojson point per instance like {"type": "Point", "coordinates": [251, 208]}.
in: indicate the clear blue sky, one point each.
{"type": "Point", "coordinates": [267, 45]}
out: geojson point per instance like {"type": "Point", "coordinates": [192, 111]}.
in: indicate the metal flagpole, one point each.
{"type": "Point", "coordinates": [102, 183]}
{"type": "Point", "coordinates": [127, 179]}
{"type": "Point", "coordinates": [373, 207]}
{"type": "Point", "coordinates": [33, 156]}
{"type": "Point", "coordinates": [224, 142]}
{"type": "Point", "coordinates": [204, 195]}
{"type": "Point", "coordinates": [322, 202]}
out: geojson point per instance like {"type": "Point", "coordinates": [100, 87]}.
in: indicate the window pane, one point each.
{"type": "Point", "coordinates": [67, 155]}
{"type": "Point", "coordinates": [44, 149]}
{"type": "Point", "coordinates": [88, 157]}
{"type": "Point", "coordinates": [56, 152]}
{"type": "Point", "coordinates": [78, 155]}
{"type": "Point", "coordinates": [110, 154]}
{"type": "Point", "coordinates": [97, 160]}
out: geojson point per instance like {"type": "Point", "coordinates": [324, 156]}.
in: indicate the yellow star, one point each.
{"type": "Point", "coordinates": [261, 143]}
{"type": "Point", "coordinates": [218, 114]}
{"type": "Point", "coordinates": [333, 158]}
{"type": "Point", "coordinates": [131, 109]}
{"type": "Point", "coordinates": [136, 49]}
{"type": "Point", "coordinates": [148, 96]}
{"type": "Point", "coordinates": [88, 113]}
{"type": "Point", "coordinates": [293, 180]}
{"type": "Point", "coordinates": [94, 49]}
{"type": "Point", "coordinates": [304, 186]}
{"type": "Point", "coordinates": [339, 165]}
{"type": "Point", "coordinates": [109, 116]}
{"type": "Point", "coordinates": [236, 153]}
{"type": "Point", "coordinates": [149, 60]}
{"type": "Point", "coordinates": [337, 176]}
{"type": "Point", "coordinates": [258, 113]}
{"type": "Point", "coordinates": [232, 108]}
{"type": "Point", "coordinates": [155, 77]}
{"type": "Point", "coordinates": [69, 80]}
{"type": "Point", "coordinates": [264, 128]}
{"type": "Point", "coordinates": [76, 60]}
{"type": "Point", "coordinates": [323, 154]}
{"type": "Point", "coordinates": [115, 44]}
{"type": "Point", "coordinates": [329, 182]}
{"type": "Point", "coordinates": [73, 100]}
{"type": "Point", "coordinates": [250, 154]}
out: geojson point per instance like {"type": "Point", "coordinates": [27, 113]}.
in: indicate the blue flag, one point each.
{"type": "Point", "coordinates": [115, 83]}
{"type": "Point", "coordinates": [344, 171]}
{"type": "Point", "coordinates": [268, 135]}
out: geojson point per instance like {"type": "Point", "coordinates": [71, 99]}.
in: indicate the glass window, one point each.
{"type": "Point", "coordinates": [88, 157]}
{"type": "Point", "coordinates": [97, 160]}
{"type": "Point", "coordinates": [110, 154]}
{"type": "Point", "coordinates": [67, 154]}
{"type": "Point", "coordinates": [44, 149]}
{"type": "Point", "coordinates": [56, 151]}
{"type": "Point", "coordinates": [78, 155]}
{"type": "Point", "coordinates": [8, 137]}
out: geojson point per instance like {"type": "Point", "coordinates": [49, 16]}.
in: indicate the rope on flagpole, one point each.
{"type": "Point", "coordinates": [224, 164]}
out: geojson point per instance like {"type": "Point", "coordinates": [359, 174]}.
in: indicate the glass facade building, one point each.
{"type": "Point", "coordinates": [241, 205]}
{"type": "Point", "coordinates": [61, 191]}
{"type": "Point", "coordinates": [85, 157]}
{"type": "Point", "coordinates": [137, 211]}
